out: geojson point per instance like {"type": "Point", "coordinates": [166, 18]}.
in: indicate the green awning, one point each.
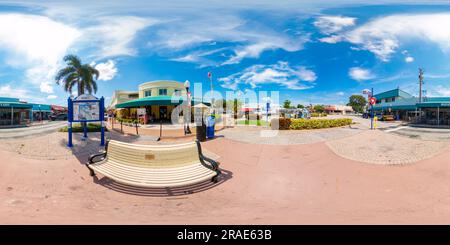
{"type": "Point", "coordinates": [433, 104]}
{"type": "Point", "coordinates": [395, 107]}
{"type": "Point", "coordinates": [156, 100]}
{"type": "Point", "coordinates": [15, 105]}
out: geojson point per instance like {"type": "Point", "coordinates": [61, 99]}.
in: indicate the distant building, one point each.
{"type": "Point", "coordinates": [158, 98]}
{"type": "Point", "coordinates": [16, 113]}
{"type": "Point", "coordinates": [404, 106]}
{"type": "Point", "coordinates": [338, 109]}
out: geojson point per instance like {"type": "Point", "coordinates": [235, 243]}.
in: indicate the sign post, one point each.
{"type": "Point", "coordinates": [69, 119]}
{"type": "Point", "coordinates": [102, 118]}
{"type": "Point", "coordinates": [84, 109]}
{"type": "Point", "coordinates": [372, 100]}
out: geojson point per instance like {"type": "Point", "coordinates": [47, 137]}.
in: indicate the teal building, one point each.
{"type": "Point", "coordinates": [16, 113]}
{"type": "Point", "coordinates": [404, 106]}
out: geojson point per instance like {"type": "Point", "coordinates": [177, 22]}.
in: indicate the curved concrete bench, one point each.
{"type": "Point", "coordinates": [154, 165]}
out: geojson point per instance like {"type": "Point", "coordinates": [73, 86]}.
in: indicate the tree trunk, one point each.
{"type": "Point", "coordinates": [80, 92]}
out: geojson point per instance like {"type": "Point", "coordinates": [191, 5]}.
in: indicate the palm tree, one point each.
{"type": "Point", "coordinates": [84, 76]}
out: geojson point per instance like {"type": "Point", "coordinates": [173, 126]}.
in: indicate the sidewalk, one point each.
{"type": "Point", "coordinates": [37, 129]}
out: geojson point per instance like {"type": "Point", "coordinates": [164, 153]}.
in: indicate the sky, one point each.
{"type": "Point", "coordinates": [317, 52]}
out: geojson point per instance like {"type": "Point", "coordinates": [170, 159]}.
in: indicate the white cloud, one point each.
{"type": "Point", "coordinates": [52, 97]}
{"type": "Point", "coordinates": [46, 87]}
{"type": "Point", "coordinates": [241, 38]}
{"type": "Point", "coordinates": [409, 59]}
{"type": "Point", "coordinates": [384, 35]}
{"type": "Point", "coordinates": [8, 91]}
{"type": "Point", "coordinates": [332, 24]}
{"type": "Point", "coordinates": [107, 70]}
{"type": "Point", "coordinates": [280, 73]}
{"type": "Point", "coordinates": [113, 35]}
{"type": "Point", "coordinates": [360, 74]}
{"type": "Point", "coordinates": [440, 90]}
{"type": "Point", "coordinates": [36, 44]}
{"type": "Point", "coordinates": [340, 93]}
{"type": "Point", "coordinates": [331, 39]}
{"type": "Point", "coordinates": [36, 38]}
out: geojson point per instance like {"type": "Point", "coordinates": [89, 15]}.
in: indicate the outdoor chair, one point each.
{"type": "Point", "coordinates": [155, 166]}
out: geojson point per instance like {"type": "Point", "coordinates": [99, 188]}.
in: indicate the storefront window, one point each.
{"type": "Point", "coordinates": [19, 117]}
{"type": "Point", "coordinates": [5, 116]}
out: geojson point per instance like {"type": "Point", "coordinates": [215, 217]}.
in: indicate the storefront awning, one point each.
{"type": "Point", "coordinates": [395, 107]}
{"type": "Point", "coordinates": [156, 100]}
{"type": "Point", "coordinates": [41, 108]}
{"type": "Point", "coordinates": [433, 104]}
{"type": "Point", "coordinates": [15, 105]}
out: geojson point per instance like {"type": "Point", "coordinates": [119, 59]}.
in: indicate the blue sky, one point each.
{"type": "Point", "coordinates": [310, 51]}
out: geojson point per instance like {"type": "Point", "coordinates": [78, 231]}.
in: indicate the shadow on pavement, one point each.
{"type": "Point", "coordinates": [163, 192]}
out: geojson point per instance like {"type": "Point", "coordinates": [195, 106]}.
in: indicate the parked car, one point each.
{"type": "Point", "coordinates": [59, 117]}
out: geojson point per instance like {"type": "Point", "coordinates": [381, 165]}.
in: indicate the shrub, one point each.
{"type": "Point", "coordinates": [319, 123]}
{"type": "Point", "coordinates": [76, 128]}
{"type": "Point", "coordinates": [316, 114]}
{"type": "Point", "coordinates": [283, 123]}
{"type": "Point", "coordinates": [125, 120]}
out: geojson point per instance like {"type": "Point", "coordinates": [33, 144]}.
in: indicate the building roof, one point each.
{"type": "Point", "coordinates": [392, 93]}
{"type": "Point", "coordinates": [435, 102]}
{"type": "Point", "coordinates": [7, 99]}
{"type": "Point", "coordinates": [156, 100]}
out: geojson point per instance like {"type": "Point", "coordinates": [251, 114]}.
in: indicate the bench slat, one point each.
{"type": "Point", "coordinates": [162, 175]}
{"type": "Point", "coordinates": [153, 165]}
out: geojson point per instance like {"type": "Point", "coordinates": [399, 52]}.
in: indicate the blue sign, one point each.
{"type": "Point", "coordinates": [84, 109]}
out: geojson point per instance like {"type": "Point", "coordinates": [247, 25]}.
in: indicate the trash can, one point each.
{"type": "Point", "coordinates": [210, 123]}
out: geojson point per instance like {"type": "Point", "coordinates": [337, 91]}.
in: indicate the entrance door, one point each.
{"type": "Point", "coordinates": [163, 113]}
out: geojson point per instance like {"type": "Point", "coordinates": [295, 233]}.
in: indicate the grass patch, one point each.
{"type": "Point", "coordinates": [253, 122]}
{"type": "Point", "coordinates": [76, 128]}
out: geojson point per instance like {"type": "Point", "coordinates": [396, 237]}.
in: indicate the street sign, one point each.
{"type": "Point", "coordinates": [372, 100]}
{"type": "Point", "coordinates": [86, 108]}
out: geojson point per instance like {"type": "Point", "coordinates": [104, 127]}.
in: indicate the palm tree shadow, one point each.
{"type": "Point", "coordinates": [163, 192]}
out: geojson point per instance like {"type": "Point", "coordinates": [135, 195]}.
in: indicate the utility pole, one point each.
{"type": "Point", "coordinates": [420, 84]}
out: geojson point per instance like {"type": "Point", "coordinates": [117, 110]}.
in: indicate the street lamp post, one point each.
{"type": "Point", "coordinates": [212, 91]}
{"type": "Point", "coordinates": [187, 130]}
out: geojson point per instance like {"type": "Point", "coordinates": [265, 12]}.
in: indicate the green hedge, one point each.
{"type": "Point", "coordinates": [76, 128]}
{"type": "Point", "coordinates": [124, 120]}
{"type": "Point", "coordinates": [316, 114]}
{"type": "Point", "coordinates": [319, 123]}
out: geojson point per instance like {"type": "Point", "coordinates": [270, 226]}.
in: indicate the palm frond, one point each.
{"type": "Point", "coordinates": [72, 60]}
{"type": "Point", "coordinates": [64, 72]}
